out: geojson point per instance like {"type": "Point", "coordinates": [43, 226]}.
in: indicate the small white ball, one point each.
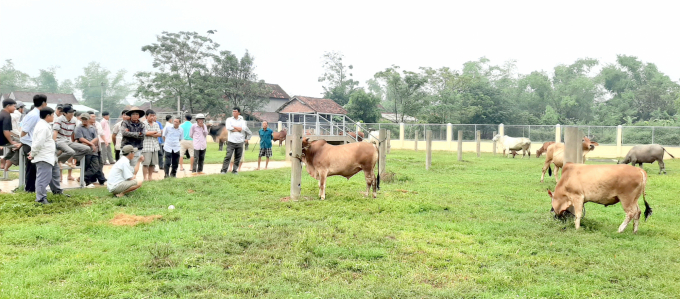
{"type": "Point", "coordinates": [171, 207]}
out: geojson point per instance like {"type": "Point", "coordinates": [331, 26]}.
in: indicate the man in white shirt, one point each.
{"type": "Point", "coordinates": [122, 176]}
{"type": "Point", "coordinates": [236, 127]}
{"type": "Point", "coordinates": [27, 126]}
{"type": "Point", "coordinates": [44, 156]}
{"type": "Point", "coordinates": [117, 135]}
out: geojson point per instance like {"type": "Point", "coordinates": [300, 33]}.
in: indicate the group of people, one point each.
{"type": "Point", "coordinates": [55, 140]}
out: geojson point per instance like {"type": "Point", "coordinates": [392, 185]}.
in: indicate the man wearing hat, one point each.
{"type": "Point", "coordinates": [198, 133]}
{"type": "Point", "coordinates": [122, 175]}
{"type": "Point", "coordinates": [134, 132]}
{"type": "Point", "coordinates": [87, 134]}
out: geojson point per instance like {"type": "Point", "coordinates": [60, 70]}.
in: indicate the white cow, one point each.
{"type": "Point", "coordinates": [372, 137]}
{"type": "Point", "coordinates": [511, 143]}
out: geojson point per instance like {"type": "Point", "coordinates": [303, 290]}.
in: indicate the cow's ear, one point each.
{"type": "Point", "coordinates": [595, 143]}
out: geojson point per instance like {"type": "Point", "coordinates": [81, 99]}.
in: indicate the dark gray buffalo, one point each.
{"type": "Point", "coordinates": [646, 154]}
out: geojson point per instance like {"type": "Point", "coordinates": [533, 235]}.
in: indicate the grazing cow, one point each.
{"type": "Point", "coordinates": [280, 136]}
{"type": "Point", "coordinates": [510, 143]}
{"type": "Point", "coordinates": [544, 148]}
{"type": "Point", "coordinates": [646, 154]}
{"type": "Point", "coordinates": [555, 155]}
{"type": "Point", "coordinates": [354, 135]}
{"type": "Point", "coordinates": [324, 160]}
{"type": "Point", "coordinates": [603, 184]}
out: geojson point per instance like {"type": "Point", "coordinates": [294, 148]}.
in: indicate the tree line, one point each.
{"type": "Point", "coordinates": [628, 91]}
{"type": "Point", "coordinates": [191, 67]}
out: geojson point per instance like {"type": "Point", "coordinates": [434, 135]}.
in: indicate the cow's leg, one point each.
{"type": "Point", "coordinates": [662, 167]}
{"type": "Point", "coordinates": [504, 153]}
{"type": "Point", "coordinates": [322, 183]}
{"type": "Point", "coordinates": [370, 182]}
{"type": "Point", "coordinates": [545, 167]}
{"type": "Point", "coordinates": [578, 210]}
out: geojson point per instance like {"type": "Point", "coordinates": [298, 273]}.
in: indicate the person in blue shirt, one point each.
{"type": "Point", "coordinates": [187, 144]}
{"type": "Point", "coordinates": [265, 144]}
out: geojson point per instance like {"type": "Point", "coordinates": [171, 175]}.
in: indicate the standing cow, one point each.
{"type": "Point", "coordinates": [646, 154]}
{"type": "Point", "coordinates": [510, 143]}
{"type": "Point", "coordinates": [603, 184]}
{"type": "Point", "coordinates": [324, 160]}
{"type": "Point", "coordinates": [280, 136]}
{"type": "Point", "coordinates": [555, 155]}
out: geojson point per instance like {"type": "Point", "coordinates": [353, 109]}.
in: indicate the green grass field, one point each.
{"type": "Point", "coordinates": [479, 228]}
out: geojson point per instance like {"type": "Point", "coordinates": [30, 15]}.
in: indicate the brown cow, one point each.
{"type": "Point", "coordinates": [354, 135]}
{"type": "Point", "coordinates": [555, 155]}
{"type": "Point", "coordinates": [280, 136]}
{"type": "Point", "coordinates": [544, 148]}
{"type": "Point", "coordinates": [603, 184]}
{"type": "Point", "coordinates": [324, 160]}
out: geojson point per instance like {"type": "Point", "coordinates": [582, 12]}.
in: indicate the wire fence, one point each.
{"type": "Point", "coordinates": [631, 135]}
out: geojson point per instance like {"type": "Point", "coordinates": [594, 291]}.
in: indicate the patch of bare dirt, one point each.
{"type": "Point", "coordinates": [132, 220]}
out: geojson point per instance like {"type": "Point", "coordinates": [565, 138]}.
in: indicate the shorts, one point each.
{"type": "Point", "coordinates": [134, 160]}
{"type": "Point", "coordinates": [186, 146]}
{"type": "Point", "coordinates": [265, 152]}
{"type": "Point", "coordinates": [122, 186]}
{"type": "Point", "coordinates": [150, 158]}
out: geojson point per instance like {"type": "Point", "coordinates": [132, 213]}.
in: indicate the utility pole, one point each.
{"type": "Point", "coordinates": [101, 103]}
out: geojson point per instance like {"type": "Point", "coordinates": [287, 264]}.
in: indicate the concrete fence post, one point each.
{"type": "Point", "coordinates": [573, 151]}
{"type": "Point", "coordinates": [428, 149]}
{"type": "Point", "coordinates": [382, 138]}
{"type": "Point", "coordinates": [501, 130]}
{"type": "Point", "coordinates": [460, 145]}
{"type": "Point", "coordinates": [296, 162]}
{"type": "Point", "coordinates": [558, 133]}
{"type": "Point", "coordinates": [494, 144]}
{"type": "Point", "coordinates": [415, 146]}
{"type": "Point", "coordinates": [449, 135]}
{"type": "Point", "coordinates": [619, 140]}
{"type": "Point", "coordinates": [280, 126]}
{"type": "Point", "coordinates": [401, 134]}
{"type": "Point", "coordinates": [478, 138]}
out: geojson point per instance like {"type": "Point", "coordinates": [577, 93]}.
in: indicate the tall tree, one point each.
{"type": "Point", "coordinates": [337, 78]}
{"type": "Point", "coordinates": [363, 107]}
{"type": "Point", "coordinates": [639, 91]}
{"type": "Point", "coordinates": [12, 79]}
{"type": "Point", "coordinates": [181, 62]}
{"type": "Point", "coordinates": [236, 82]}
{"type": "Point", "coordinates": [97, 79]}
{"type": "Point", "coordinates": [403, 94]}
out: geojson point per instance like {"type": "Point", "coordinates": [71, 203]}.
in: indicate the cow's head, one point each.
{"type": "Point", "coordinates": [306, 144]}
{"type": "Point", "coordinates": [560, 204]}
{"type": "Point", "coordinates": [589, 145]}
{"type": "Point", "coordinates": [496, 138]}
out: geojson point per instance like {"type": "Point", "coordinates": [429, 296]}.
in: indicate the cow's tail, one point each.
{"type": "Point", "coordinates": [648, 209]}
{"type": "Point", "coordinates": [377, 183]}
{"type": "Point", "coordinates": [664, 149]}
{"type": "Point", "coordinates": [549, 170]}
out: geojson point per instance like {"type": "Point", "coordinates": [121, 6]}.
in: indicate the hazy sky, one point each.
{"type": "Point", "coordinates": [288, 38]}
